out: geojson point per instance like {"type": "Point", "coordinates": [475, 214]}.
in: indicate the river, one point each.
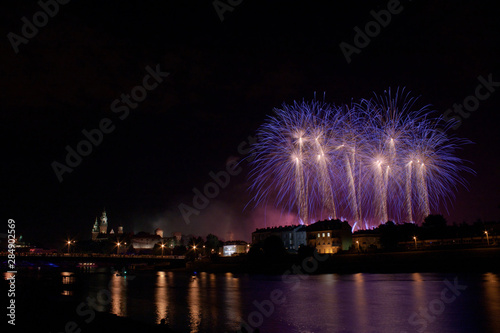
{"type": "Point", "coordinates": [415, 302]}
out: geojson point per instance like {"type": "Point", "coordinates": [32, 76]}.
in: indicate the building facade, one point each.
{"type": "Point", "coordinates": [364, 240]}
{"type": "Point", "coordinates": [329, 236]}
{"type": "Point", "coordinates": [231, 248]}
{"type": "Point", "coordinates": [292, 236]}
{"type": "Point", "coordinates": [145, 241]}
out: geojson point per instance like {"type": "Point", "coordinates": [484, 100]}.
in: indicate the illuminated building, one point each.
{"type": "Point", "coordinates": [231, 248]}
{"type": "Point", "coordinates": [103, 227]}
{"type": "Point", "coordinates": [145, 241]}
{"type": "Point", "coordinates": [329, 236]}
{"type": "Point", "coordinates": [100, 228]}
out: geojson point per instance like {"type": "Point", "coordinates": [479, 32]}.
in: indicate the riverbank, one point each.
{"type": "Point", "coordinates": [449, 260]}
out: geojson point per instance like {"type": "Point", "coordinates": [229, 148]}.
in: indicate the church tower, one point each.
{"type": "Point", "coordinates": [103, 228]}
{"type": "Point", "coordinates": [95, 230]}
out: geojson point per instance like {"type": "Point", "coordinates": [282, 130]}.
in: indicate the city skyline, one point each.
{"type": "Point", "coordinates": [207, 90]}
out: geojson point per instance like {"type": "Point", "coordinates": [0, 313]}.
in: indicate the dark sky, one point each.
{"type": "Point", "coordinates": [225, 78]}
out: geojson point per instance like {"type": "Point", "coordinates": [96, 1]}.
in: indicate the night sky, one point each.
{"type": "Point", "coordinates": [224, 79]}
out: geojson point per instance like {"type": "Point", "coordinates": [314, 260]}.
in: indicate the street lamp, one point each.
{"type": "Point", "coordinates": [415, 239]}
{"type": "Point", "coordinates": [162, 246]}
{"type": "Point", "coordinates": [487, 238]}
{"type": "Point", "coordinates": [69, 243]}
{"type": "Point", "coordinates": [357, 242]}
{"type": "Point", "coordinates": [117, 247]}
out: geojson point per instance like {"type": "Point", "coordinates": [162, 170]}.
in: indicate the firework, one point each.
{"type": "Point", "coordinates": [370, 162]}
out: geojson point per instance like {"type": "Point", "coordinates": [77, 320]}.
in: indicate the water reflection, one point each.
{"type": "Point", "coordinates": [118, 288]}
{"type": "Point", "coordinates": [321, 303]}
{"type": "Point", "coordinates": [492, 300]}
{"type": "Point", "coordinates": [418, 290]}
{"type": "Point", "coordinates": [360, 300]}
{"type": "Point", "coordinates": [194, 304]}
{"type": "Point", "coordinates": [161, 298]}
{"type": "Point", "coordinates": [68, 280]}
{"type": "Point", "coordinates": [212, 297]}
{"type": "Point", "coordinates": [232, 298]}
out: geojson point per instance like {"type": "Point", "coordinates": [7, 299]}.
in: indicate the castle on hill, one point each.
{"type": "Point", "coordinates": [100, 228]}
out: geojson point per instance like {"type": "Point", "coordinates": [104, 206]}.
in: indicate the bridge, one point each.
{"type": "Point", "coordinates": [95, 259]}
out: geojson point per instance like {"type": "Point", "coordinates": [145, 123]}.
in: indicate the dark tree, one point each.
{"type": "Point", "coordinates": [273, 247]}
{"type": "Point", "coordinates": [305, 251]}
{"type": "Point", "coordinates": [434, 226]}
{"type": "Point", "coordinates": [212, 242]}
{"type": "Point", "coordinates": [389, 235]}
{"type": "Point", "coordinates": [434, 221]}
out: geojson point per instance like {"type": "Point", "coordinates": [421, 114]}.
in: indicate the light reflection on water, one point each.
{"type": "Point", "coordinates": [161, 298]}
{"type": "Point", "coordinates": [194, 304]}
{"type": "Point", "coordinates": [118, 289]}
{"type": "Point", "coordinates": [492, 299]}
{"type": "Point", "coordinates": [360, 300]}
{"type": "Point", "coordinates": [68, 280]}
{"type": "Point", "coordinates": [322, 303]}
{"type": "Point", "coordinates": [232, 298]}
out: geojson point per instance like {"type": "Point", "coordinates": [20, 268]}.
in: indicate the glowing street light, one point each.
{"type": "Point", "coordinates": [162, 246]}
{"type": "Point", "coordinates": [118, 247]}
{"type": "Point", "coordinates": [415, 239]}
{"type": "Point", "coordinates": [69, 243]}
{"type": "Point", "coordinates": [487, 238]}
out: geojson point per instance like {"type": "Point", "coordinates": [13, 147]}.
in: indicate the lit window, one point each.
{"type": "Point", "coordinates": [323, 234]}
{"type": "Point", "coordinates": [328, 234]}
{"type": "Point", "coordinates": [318, 235]}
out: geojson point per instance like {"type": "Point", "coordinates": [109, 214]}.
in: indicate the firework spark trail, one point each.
{"type": "Point", "coordinates": [324, 180]}
{"type": "Point", "coordinates": [378, 159]}
{"type": "Point", "coordinates": [352, 189]}
{"type": "Point", "coordinates": [301, 186]}
{"type": "Point", "coordinates": [408, 191]}
{"type": "Point", "coordinates": [422, 186]}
